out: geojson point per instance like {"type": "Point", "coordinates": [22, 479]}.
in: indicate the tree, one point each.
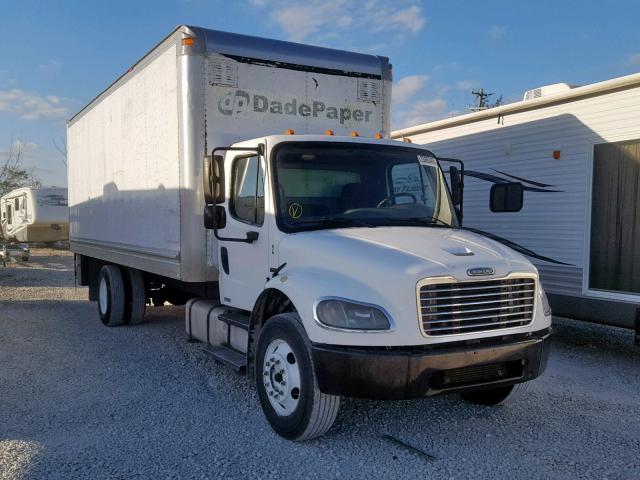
{"type": "Point", "coordinates": [12, 174]}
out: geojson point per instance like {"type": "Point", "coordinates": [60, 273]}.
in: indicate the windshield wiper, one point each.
{"type": "Point", "coordinates": [419, 221]}
{"type": "Point", "coordinates": [336, 221]}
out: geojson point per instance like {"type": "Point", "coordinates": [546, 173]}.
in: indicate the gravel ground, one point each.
{"type": "Point", "coordinates": [78, 400]}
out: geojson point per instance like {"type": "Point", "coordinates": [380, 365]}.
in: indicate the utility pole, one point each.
{"type": "Point", "coordinates": [481, 100]}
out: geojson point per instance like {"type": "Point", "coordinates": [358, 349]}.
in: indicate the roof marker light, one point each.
{"type": "Point", "coordinates": [188, 41]}
{"type": "Point", "coordinates": [354, 134]}
{"type": "Point", "coordinates": [289, 131]}
{"type": "Point", "coordinates": [328, 132]}
{"type": "Point", "coordinates": [378, 136]}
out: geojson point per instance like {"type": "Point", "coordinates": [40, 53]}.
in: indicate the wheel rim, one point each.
{"type": "Point", "coordinates": [281, 377]}
{"type": "Point", "coordinates": [102, 296]}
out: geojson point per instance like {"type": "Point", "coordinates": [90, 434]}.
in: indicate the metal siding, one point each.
{"type": "Point", "coordinates": [124, 175]}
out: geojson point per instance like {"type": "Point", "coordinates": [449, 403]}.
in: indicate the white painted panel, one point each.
{"type": "Point", "coordinates": [266, 100]}
{"type": "Point", "coordinates": [124, 164]}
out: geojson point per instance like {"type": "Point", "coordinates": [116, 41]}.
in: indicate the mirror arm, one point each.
{"type": "Point", "coordinates": [251, 237]}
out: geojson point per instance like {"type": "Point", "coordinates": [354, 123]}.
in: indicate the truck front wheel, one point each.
{"type": "Point", "coordinates": [111, 296]}
{"type": "Point", "coordinates": [286, 382]}
{"type": "Point", "coordinates": [497, 396]}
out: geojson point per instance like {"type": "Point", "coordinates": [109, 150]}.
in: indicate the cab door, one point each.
{"type": "Point", "coordinates": [243, 265]}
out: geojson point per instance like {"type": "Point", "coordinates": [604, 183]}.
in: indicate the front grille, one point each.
{"type": "Point", "coordinates": [450, 308]}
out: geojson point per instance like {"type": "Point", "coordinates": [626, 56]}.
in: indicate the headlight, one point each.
{"type": "Point", "coordinates": [347, 315]}
{"type": "Point", "coordinates": [546, 309]}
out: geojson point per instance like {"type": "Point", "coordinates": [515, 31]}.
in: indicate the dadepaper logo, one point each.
{"type": "Point", "coordinates": [240, 102]}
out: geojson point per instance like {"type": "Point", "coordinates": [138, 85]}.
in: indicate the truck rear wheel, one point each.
{"type": "Point", "coordinates": [497, 396]}
{"type": "Point", "coordinates": [111, 296]}
{"type": "Point", "coordinates": [135, 296]}
{"type": "Point", "coordinates": [286, 382]}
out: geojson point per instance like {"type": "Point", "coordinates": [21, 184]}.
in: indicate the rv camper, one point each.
{"type": "Point", "coordinates": [576, 150]}
{"type": "Point", "coordinates": [35, 215]}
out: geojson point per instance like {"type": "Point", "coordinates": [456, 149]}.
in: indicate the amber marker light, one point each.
{"type": "Point", "coordinates": [289, 131]}
{"type": "Point", "coordinates": [406, 140]}
{"type": "Point", "coordinates": [188, 41]}
{"type": "Point", "coordinates": [355, 134]}
{"type": "Point", "coordinates": [378, 136]}
{"type": "Point", "coordinates": [328, 132]}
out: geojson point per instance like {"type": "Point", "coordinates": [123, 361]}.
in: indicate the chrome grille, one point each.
{"type": "Point", "coordinates": [450, 308]}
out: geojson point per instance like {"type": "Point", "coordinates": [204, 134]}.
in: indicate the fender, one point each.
{"type": "Point", "coordinates": [304, 286]}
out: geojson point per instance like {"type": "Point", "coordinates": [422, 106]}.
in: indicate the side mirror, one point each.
{"type": "Point", "coordinates": [215, 217]}
{"type": "Point", "coordinates": [213, 179]}
{"type": "Point", "coordinates": [456, 185]}
{"type": "Point", "coordinates": [506, 197]}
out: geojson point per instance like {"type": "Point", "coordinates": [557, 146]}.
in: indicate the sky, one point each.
{"type": "Point", "coordinates": [55, 56]}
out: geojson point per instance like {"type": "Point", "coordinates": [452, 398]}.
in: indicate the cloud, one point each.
{"type": "Point", "coordinates": [409, 18]}
{"type": "Point", "coordinates": [301, 21]}
{"type": "Point", "coordinates": [423, 112]}
{"type": "Point", "coordinates": [466, 84]}
{"type": "Point", "coordinates": [33, 106]}
{"type": "Point", "coordinates": [407, 87]}
{"type": "Point", "coordinates": [52, 67]}
{"type": "Point", "coordinates": [497, 32]}
{"type": "Point", "coordinates": [327, 18]}
{"type": "Point", "coordinates": [633, 60]}
{"type": "Point", "coordinates": [26, 149]}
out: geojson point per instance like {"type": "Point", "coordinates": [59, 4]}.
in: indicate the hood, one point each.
{"type": "Point", "coordinates": [415, 251]}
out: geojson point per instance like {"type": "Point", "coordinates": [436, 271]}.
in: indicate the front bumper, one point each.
{"type": "Point", "coordinates": [414, 372]}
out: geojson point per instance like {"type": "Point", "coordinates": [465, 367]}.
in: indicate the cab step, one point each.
{"type": "Point", "coordinates": [228, 356]}
{"type": "Point", "coordinates": [236, 319]}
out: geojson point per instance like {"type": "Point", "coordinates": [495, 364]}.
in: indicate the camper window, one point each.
{"type": "Point", "coordinates": [506, 197]}
{"type": "Point", "coordinates": [17, 204]}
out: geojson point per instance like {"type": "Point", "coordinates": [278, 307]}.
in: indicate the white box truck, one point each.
{"type": "Point", "coordinates": [577, 152]}
{"type": "Point", "coordinates": [254, 180]}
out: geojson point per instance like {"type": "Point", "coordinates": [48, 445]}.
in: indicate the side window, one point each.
{"type": "Point", "coordinates": [247, 190]}
{"type": "Point", "coordinates": [17, 204]}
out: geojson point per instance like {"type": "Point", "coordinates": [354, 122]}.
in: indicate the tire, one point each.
{"type": "Point", "coordinates": [135, 297]}
{"type": "Point", "coordinates": [111, 296]}
{"type": "Point", "coordinates": [302, 412]}
{"type": "Point", "coordinates": [497, 396]}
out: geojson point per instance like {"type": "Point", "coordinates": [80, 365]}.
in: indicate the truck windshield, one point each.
{"type": "Point", "coordinates": [333, 185]}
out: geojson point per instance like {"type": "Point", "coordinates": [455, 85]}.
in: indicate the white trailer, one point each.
{"type": "Point", "coordinates": [255, 179]}
{"type": "Point", "coordinates": [577, 152]}
{"type": "Point", "coordinates": [35, 215]}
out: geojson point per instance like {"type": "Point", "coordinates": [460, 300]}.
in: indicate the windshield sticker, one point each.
{"type": "Point", "coordinates": [427, 161]}
{"type": "Point", "coordinates": [295, 210]}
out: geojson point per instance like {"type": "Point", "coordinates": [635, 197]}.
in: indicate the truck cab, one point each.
{"type": "Point", "coordinates": [347, 258]}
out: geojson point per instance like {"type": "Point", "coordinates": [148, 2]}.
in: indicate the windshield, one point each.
{"type": "Point", "coordinates": [332, 185]}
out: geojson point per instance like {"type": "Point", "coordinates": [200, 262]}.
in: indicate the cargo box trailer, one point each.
{"type": "Point", "coordinates": [35, 215]}
{"type": "Point", "coordinates": [254, 180]}
{"type": "Point", "coordinates": [577, 152]}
